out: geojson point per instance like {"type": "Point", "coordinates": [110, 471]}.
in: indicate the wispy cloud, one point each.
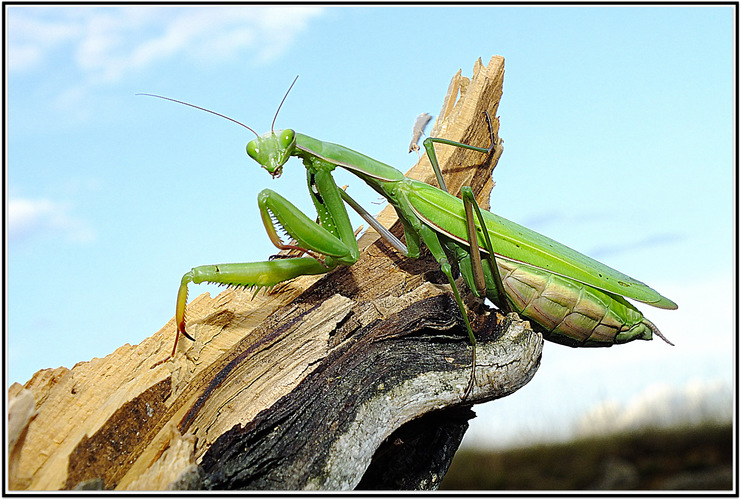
{"type": "Point", "coordinates": [28, 218]}
{"type": "Point", "coordinates": [545, 221]}
{"type": "Point", "coordinates": [661, 405]}
{"type": "Point", "coordinates": [107, 43]}
{"type": "Point", "coordinates": [662, 239]}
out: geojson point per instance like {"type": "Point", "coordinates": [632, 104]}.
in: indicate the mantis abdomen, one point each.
{"type": "Point", "coordinates": [569, 312]}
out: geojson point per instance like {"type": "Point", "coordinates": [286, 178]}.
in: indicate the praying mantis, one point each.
{"type": "Point", "coordinates": [572, 299]}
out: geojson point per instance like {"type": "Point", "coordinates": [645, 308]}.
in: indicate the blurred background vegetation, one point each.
{"type": "Point", "coordinates": [698, 457]}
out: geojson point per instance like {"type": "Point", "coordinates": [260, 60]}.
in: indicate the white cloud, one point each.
{"type": "Point", "coordinates": [31, 37]}
{"type": "Point", "coordinates": [30, 217]}
{"type": "Point", "coordinates": [661, 405]}
{"type": "Point", "coordinates": [107, 43]}
{"type": "Point", "coordinates": [24, 57]}
{"type": "Point", "coordinates": [87, 48]}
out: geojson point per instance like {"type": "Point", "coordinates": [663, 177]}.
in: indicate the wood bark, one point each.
{"type": "Point", "coordinates": [353, 379]}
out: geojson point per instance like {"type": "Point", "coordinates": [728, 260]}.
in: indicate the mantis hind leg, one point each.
{"type": "Point", "coordinates": [478, 277]}
{"type": "Point", "coordinates": [433, 243]}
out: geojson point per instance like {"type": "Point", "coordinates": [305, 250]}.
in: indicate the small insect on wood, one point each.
{"type": "Point", "coordinates": [420, 124]}
{"type": "Point", "coordinates": [571, 298]}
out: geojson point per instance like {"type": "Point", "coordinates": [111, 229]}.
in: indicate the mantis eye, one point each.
{"type": "Point", "coordinates": [287, 138]}
{"type": "Point", "coordinates": [253, 149]}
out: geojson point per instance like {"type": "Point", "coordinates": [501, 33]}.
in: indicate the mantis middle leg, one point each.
{"type": "Point", "coordinates": [429, 145]}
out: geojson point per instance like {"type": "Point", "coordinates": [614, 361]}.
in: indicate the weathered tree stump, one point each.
{"type": "Point", "coordinates": [354, 379]}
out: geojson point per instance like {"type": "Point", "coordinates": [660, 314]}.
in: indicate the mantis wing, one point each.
{"type": "Point", "coordinates": [445, 214]}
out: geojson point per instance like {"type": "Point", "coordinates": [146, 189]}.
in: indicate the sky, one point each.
{"type": "Point", "coordinates": [618, 128]}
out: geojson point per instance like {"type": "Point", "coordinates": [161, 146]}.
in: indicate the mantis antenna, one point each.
{"type": "Point", "coordinates": [208, 110]}
{"type": "Point", "coordinates": [272, 125]}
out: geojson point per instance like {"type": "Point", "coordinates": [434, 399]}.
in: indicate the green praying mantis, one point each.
{"type": "Point", "coordinates": [572, 299]}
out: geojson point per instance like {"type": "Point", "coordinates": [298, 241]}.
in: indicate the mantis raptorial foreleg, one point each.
{"type": "Point", "coordinates": [311, 238]}
{"type": "Point", "coordinates": [329, 243]}
{"type": "Point", "coordinates": [251, 274]}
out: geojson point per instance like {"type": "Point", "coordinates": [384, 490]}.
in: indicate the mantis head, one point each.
{"type": "Point", "coordinates": [273, 150]}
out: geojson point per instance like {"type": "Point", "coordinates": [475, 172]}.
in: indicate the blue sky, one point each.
{"type": "Point", "coordinates": [618, 129]}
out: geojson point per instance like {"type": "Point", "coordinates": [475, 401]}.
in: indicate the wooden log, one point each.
{"type": "Point", "coordinates": [349, 380]}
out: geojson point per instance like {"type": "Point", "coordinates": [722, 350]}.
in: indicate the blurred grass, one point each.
{"type": "Point", "coordinates": [686, 458]}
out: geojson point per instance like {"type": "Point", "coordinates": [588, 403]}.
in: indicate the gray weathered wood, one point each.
{"type": "Point", "coordinates": [325, 433]}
